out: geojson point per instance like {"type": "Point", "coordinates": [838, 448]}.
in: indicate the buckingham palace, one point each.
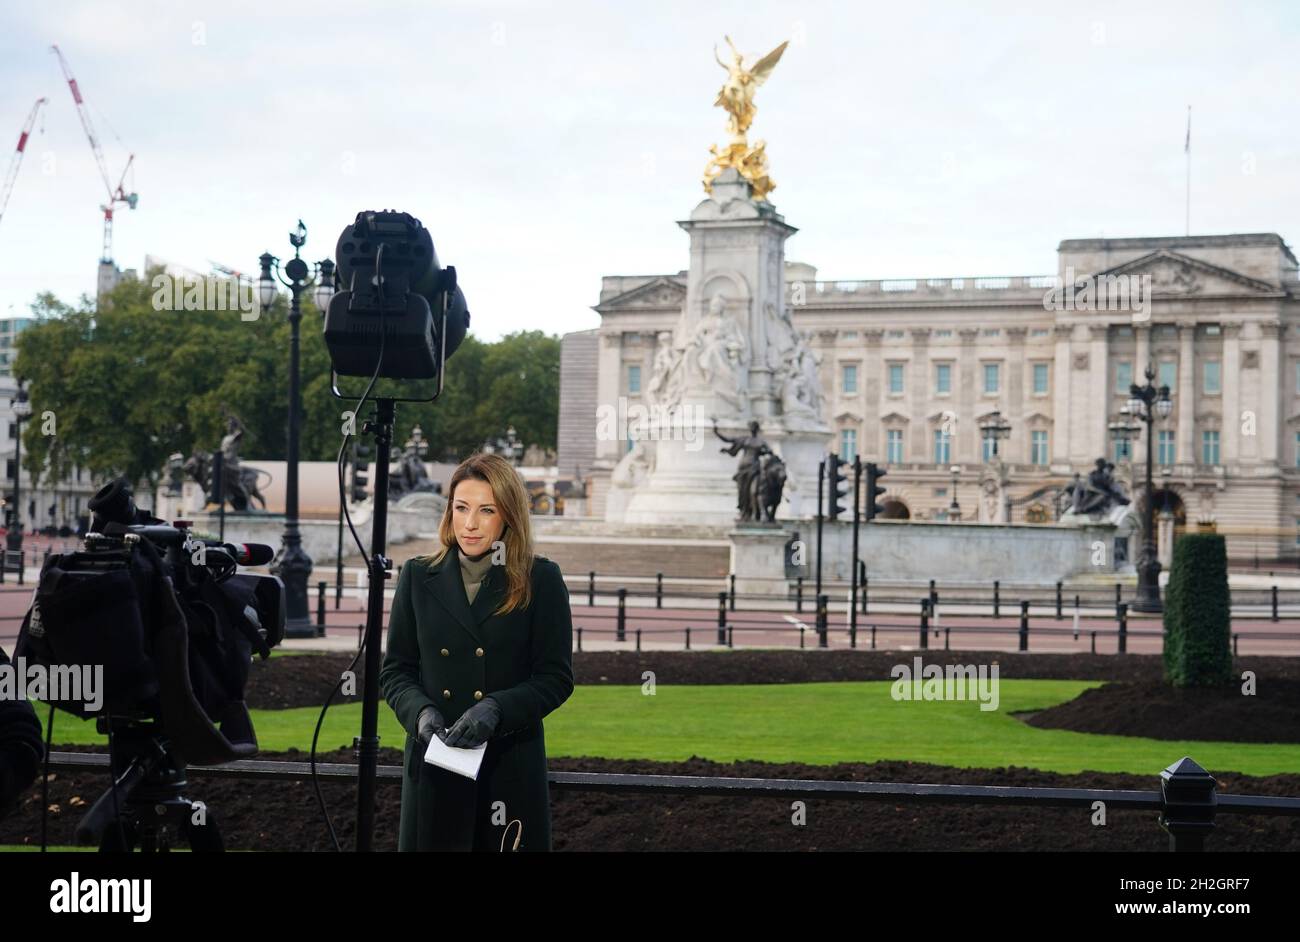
{"type": "Point", "coordinates": [911, 369]}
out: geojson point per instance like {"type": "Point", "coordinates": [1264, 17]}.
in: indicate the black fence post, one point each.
{"type": "Point", "coordinates": [1275, 603]}
{"type": "Point", "coordinates": [1123, 627]}
{"type": "Point", "coordinates": [1188, 799]}
{"type": "Point", "coordinates": [853, 635]}
{"type": "Point", "coordinates": [1024, 625]}
{"type": "Point", "coordinates": [638, 639]}
{"type": "Point", "coordinates": [1058, 599]}
{"type": "Point", "coordinates": [1094, 642]}
{"type": "Point", "coordinates": [688, 637]}
{"type": "Point", "coordinates": [659, 590]}
{"type": "Point", "coordinates": [579, 631]}
{"type": "Point", "coordinates": [997, 599]}
{"type": "Point", "coordinates": [591, 588]}
{"type": "Point", "coordinates": [722, 618]}
{"type": "Point", "coordinates": [622, 613]}
{"type": "Point", "coordinates": [873, 637]}
{"type": "Point", "coordinates": [864, 592]}
{"type": "Point", "coordinates": [1235, 636]}
{"type": "Point", "coordinates": [822, 619]}
{"type": "Point", "coordinates": [320, 609]}
{"type": "Point", "coordinates": [798, 596]}
{"type": "Point", "coordinates": [1118, 595]}
{"type": "Point", "coordinates": [934, 596]}
{"type": "Point", "coordinates": [731, 591]}
{"type": "Point", "coordinates": [925, 623]}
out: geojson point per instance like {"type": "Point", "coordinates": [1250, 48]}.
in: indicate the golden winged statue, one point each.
{"type": "Point", "coordinates": [736, 97]}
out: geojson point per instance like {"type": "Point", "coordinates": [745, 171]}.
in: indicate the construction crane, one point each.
{"type": "Point", "coordinates": [17, 160]}
{"type": "Point", "coordinates": [115, 194]}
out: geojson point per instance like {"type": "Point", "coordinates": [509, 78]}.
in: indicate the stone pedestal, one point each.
{"type": "Point", "coordinates": [735, 358]}
{"type": "Point", "coordinates": [758, 559]}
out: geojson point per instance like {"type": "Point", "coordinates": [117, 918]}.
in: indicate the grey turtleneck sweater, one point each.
{"type": "Point", "coordinates": [474, 569]}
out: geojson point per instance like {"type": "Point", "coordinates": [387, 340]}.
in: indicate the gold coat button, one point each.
{"type": "Point", "coordinates": [447, 694]}
{"type": "Point", "coordinates": [478, 652]}
{"type": "Point", "coordinates": [445, 652]}
{"type": "Point", "coordinates": [478, 694]}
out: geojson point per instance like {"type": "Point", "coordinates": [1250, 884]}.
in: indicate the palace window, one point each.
{"type": "Point", "coordinates": [896, 379]}
{"type": "Point", "coordinates": [894, 446]}
{"type": "Point", "coordinates": [1040, 379]}
{"type": "Point", "coordinates": [634, 378]}
{"type": "Point", "coordinates": [850, 378]}
{"type": "Point", "coordinates": [942, 447]}
{"type": "Point", "coordinates": [1168, 374]}
{"type": "Point", "coordinates": [1165, 447]}
{"type": "Point", "coordinates": [1038, 448]}
{"type": "Point", "coordinates": [1209, 448]}
{"type": "Point", "coordinates": [1123, 376]}
{"type": "Point", "coordinates": [848, 444]}
{"type": "Point", "coordinates": [991, 377]}
{"type": "Point", "coordinates": [1211, 377]}
{"type": "Point", "coordinates": [942, 378]}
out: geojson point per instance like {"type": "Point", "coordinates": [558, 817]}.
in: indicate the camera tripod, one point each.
{"type": "Point", "coordinates": [146, 805]}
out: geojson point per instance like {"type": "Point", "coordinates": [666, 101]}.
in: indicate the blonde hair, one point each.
{"type": "Point", "coordinates": [511, 501]}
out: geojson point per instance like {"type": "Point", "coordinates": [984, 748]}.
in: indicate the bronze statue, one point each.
{"type": "Point", "coordinates": [1099, 493]}
{"type": "Point", "coordinates": [760, 476]}
{"type": "Point", "coordinates": [241, 483]}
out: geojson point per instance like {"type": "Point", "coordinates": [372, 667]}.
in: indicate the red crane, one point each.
{"type": "Point", "coordinates": [115, 194]}
{"type": "Point", "coordinates": [16, 161]}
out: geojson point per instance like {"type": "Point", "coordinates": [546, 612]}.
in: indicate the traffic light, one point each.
{"type": "Point", "coordinates": [839, 486]}
{"type": "Point", "coordinates": [360, 472]}
{"type": "Point", "coordinates": [874, 490]}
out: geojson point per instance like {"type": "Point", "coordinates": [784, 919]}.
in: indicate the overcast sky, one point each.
{"type": "Point", "coordinates": [547, 144]}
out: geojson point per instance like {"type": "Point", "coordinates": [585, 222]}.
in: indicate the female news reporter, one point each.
{"type": "Point", "coordinates": [479, 650]}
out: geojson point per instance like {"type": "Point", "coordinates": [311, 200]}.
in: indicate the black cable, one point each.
{"type": "Point", "coordinates": [45, 778]}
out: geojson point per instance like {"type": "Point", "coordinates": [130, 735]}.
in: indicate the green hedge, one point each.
{"type": "Point", "coordinates": [1198, 642]}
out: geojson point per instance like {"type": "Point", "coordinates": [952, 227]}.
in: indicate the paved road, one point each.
{"type": "Point", "coordinates": [965, 627]}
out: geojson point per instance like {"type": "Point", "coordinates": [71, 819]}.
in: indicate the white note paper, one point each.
{"type": "Point", "coordinates": [464, 762]}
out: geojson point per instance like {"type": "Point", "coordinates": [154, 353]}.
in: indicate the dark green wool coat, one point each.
{"type": "Point", "coordinates": [448, 653]}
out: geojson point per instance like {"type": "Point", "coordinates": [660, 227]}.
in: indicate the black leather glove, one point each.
{"type": "Point", "coordinates": [475, 725]}
{"type": "Point", "coordinates": [430, 724]}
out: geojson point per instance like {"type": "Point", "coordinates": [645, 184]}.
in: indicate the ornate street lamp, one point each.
{"type": "Point", "coordinates": [1148, 403]}
{"type": "Point", "coordinates": [291, 563]}
{"type": "Point", "coordinates": [21, 410]}
{"type": "Point", "coordinates": [954, 509]}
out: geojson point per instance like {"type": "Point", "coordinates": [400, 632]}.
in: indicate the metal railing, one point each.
{"type": "Point", "coordinates": [1187, 796]}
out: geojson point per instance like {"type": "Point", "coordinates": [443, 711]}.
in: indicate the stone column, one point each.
{"type": "Point", "coordinates": [1185, 401]}
{"type": "Point", "coordinates": [1015, 398]}
{"type": "Point", "coordinates": [872, 446]}
{"type": "Point", "coordinates": [918, 393]}
{"type": "Point", "coordinates": [1230, 384]}
{"type": "Point", "coordinates": [1099, 397]}
{"type": "Point", "coordinates": [964, 393]}
{"type": "Point", "coordinates": [1270, 387]}
{"type": "Point", "coordinates": [1062, 397]}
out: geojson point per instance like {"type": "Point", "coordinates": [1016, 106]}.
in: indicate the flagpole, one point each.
{"type": "Point", "coordinates": [1187, 149]}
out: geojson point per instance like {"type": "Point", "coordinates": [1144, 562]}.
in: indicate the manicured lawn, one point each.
{"type": "Point", "coordinates": [820, 723]}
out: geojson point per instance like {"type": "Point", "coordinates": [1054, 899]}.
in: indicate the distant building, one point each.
{"type": "Point", "coordinates": [911, 368]}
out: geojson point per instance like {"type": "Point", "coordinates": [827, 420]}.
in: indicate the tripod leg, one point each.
{"type": "Point", "coordinates": [119, 838]}
{"type": "Point", "coordinates": [204, 838]}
